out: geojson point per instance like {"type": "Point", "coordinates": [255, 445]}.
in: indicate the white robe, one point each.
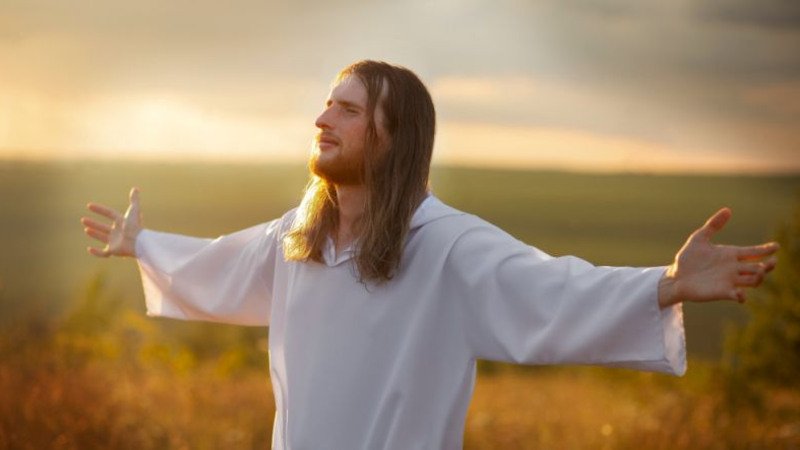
{"type": "Point", "coordinates": [393, 366]}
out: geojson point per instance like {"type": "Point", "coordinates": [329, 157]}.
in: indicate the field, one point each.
{"type": "Point", "coordinates": [81, 368]}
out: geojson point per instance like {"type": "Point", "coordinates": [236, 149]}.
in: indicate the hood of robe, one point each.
{"type": "Point", "coordinates": [429, 210]}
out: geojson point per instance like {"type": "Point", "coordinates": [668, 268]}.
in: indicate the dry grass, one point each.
{"type": "Point", "coordinates": [67, 390]}
{"type": "Point", "coordinates": [97, 407]}
{"type": "Point", "coordinates": [123, 385]}
{"type": "Point", "coordinates": [104, 405]}
{"type": "Point", "coordinates": [589, 408]}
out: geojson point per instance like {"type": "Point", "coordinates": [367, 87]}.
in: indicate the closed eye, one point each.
{"type": "Point", "coordinates": [350, 107]}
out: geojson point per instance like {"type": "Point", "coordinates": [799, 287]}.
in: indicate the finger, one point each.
{"type": "Point", "coordinates": [102, 237]}
{"type": "Point", "coordinates": [103, 211]}
{"type": "Point", "coordinates": [769, 263]}
{"type": "Point", "coordinates": [738, 295]}
{"type": "Point", "coordinates": [97, 252]}
{"type": "Point", "coordinates": [133, 208]}
{"type": "Point", "coordinates": [715, 223]}
{"type": "Point", "coordinates": [749, 280]}
{"type": "Point", "coordinates": [750, 268]}
{"type": "Point", "coordinates": [87, 222]}
{"type": "Point", "coordinates": [757, 251]}
{"type": "Point", "coordinates": [759, 269]}
{"type": "Point", "coordinates": [134, 196]}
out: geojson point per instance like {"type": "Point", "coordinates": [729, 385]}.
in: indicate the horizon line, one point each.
{"type": "Point", "coordinates": [487, 165]}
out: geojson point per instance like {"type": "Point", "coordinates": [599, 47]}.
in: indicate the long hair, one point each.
{"type": "Point", "coordinates": [396, 179]}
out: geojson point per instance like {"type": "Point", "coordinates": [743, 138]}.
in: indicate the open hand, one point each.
{"type": "Point", "coordinates": [120, 236]}
{"type": "Point", "coordinates": [703, 271]}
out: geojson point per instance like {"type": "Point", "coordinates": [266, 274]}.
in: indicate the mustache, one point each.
{"type": "Point", "coordinates": [325, 136]}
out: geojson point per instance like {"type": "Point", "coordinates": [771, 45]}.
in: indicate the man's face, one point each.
{"type": "Point", "coordinates": [339, 151]}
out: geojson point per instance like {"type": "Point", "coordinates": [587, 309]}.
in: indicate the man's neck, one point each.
{"type": "Point", "coordinates": [352, 200]}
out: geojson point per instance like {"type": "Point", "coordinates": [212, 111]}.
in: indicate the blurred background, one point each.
{"type": "Point", "coordinates": [607, 129]}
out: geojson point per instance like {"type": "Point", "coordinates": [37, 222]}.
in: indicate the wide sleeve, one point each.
{"type": "Point", "coordinates": [521, 305]}
{"type": "Point", "coordinates": [227, 279]}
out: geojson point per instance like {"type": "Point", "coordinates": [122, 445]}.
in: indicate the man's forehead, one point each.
{"type": "Point", "coordinates": [350, 89]}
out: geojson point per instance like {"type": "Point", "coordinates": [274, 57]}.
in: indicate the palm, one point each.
{"type": "Point", "coordinates": [704, 271]}
{"type": "Point", "coordinates": [120, 235]}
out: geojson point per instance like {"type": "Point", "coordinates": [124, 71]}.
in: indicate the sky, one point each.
{"type": "Point", "coordinates": [587, 85]}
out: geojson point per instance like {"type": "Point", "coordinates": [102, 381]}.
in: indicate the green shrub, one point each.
{"type": "Point", "coordinates": [766, 350]}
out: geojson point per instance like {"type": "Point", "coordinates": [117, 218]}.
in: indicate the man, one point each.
{"type": "Point", "coordinates": [379, 298]}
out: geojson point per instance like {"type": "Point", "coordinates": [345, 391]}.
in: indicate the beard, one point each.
{"type": "Point", "coordinates": [337, 169]}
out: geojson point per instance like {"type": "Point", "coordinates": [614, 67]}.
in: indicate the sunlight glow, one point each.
{"type": "Point", "coordinates": [149, 127]}
{"type": "Point", "coordinates": [167, 127]}
{"type": "Point", "coordinates": [486, 145]}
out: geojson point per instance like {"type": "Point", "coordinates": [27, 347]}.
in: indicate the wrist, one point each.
{"type": "Point", "coordinates": [130, 247]}
{"type": "Point", "coordinates": [668, 289]}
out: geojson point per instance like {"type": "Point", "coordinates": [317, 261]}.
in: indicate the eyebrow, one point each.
{"type": "Point", "coordinates": [346, 104]}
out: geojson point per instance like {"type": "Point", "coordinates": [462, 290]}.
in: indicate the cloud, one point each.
{"type": "Point", "coordinates": [775, 14]}
{"type": "Point", "coordinates": [682, 116]}
{"type": "Point", "coordinates": [776, 99]}
{"type": "Point", "coordinates": [161, 127]}
{"type": "Point", "coordinates": [212, 44]}
{"type": "Point", "coordinates": [554, 148]}
{"type": "Point", "coordinates": [675, 74]}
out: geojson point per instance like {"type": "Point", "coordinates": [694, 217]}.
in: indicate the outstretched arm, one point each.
{"type": "Point", "coordinates": [227, 279]}
{"type": "Point", "coordinates": [704, 272]}
{"type": "Point", "coordinates": [120, 236]}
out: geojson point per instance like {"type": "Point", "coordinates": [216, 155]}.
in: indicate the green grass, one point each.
{"type": "Point", "coordinates": [619, 219]}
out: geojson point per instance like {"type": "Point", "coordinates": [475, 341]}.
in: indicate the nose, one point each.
{"type": "Point", "coordinates": [323, 120]}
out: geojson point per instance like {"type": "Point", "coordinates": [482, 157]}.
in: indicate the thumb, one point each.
{"type": "Point", "coordinates": [134, 197]}
{"type": "Point", "coordinates": [715, 223]}
{"type": "Point", "coordinates": [133, 209]}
